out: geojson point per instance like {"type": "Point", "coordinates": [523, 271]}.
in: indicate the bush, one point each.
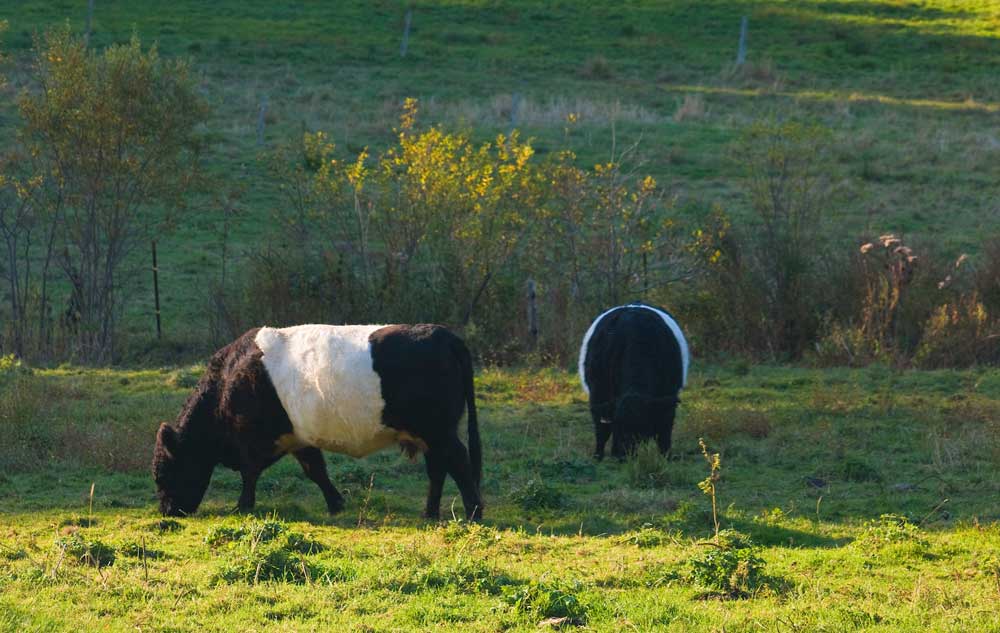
{"type": "Point", "coordinates": [11, 369]}
{"type": "Point", "coordinates": [730, 566]}
{"type": "Point", "coordinates": [959, 335]}
{"type": "Point", "coordinates": [440, 228]}
{"type": "Point", "coordinates": [763, 287]}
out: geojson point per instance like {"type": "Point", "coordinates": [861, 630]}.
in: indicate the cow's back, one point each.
{"type": "Point", "coordinates": [324, 377]}
{"type": "Point", "coordinates": [634, 347]}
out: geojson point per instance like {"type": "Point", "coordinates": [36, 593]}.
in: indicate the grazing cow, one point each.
{"type": "Point", "coordinates": [351, 389]}
{"type": "Point", "coordinates": [633, 364]}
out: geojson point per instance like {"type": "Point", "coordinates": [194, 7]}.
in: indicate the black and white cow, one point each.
{"type": "Point", "coordinates": [351, 389]}
{"type": "Point", "coordinates": [633, 363]}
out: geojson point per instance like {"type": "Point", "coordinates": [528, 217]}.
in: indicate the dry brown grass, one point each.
{"type": "Point", "coordinates": [535, 112]}
{"type": "Point", "coordinates": [692, 107]}
{"type": "Point", "coordinates": [719, 423]}
{"type": "Point", "coordinates": [597, 67]}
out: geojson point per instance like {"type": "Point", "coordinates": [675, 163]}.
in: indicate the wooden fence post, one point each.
{"type": "Point", "coordinates": [90, 19]}
{"type": "Point", "coordinates": [532, 316]}
{"type": "Point", "coordinates": [404, 45]}
{"type": "Point", "coordinates": [260, 120]}
{"type": "Point", "coordinates": [741, 53]}
{"type": "Point", "coordinates": [156, 292]}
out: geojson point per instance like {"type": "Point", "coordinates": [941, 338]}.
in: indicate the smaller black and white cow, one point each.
{"type": "Point", "coordinates": [633, 363]}
{"type": "Point", "coordinates": [351, 389]}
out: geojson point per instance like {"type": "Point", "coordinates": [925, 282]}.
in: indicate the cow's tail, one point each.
{"type": "Point", "coordinates": [475, 448]}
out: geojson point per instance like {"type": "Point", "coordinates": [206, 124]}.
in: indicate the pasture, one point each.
{"type": "Point", "coordinates": [872, 495]}
{"type": "Point", "coordinates": [907, 90]}
{"type": "Point", "coordinates": [810, 462]}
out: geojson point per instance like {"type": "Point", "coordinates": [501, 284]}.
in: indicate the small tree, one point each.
{"type": "Point", "coordinates": [3, 29]}
{"type": "Point", "coordinates": [787, 185]}
{"type": "Point", "coordinates": [607, 239]}
{"type": "Point", "coordinates": [115, 132]}
{"type": "Point", "coordinates": [26, 230]}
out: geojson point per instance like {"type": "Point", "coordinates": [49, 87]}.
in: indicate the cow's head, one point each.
{"type": "Point", "coordinates": [181, 470]}
{"type": "Point", "coordinates": [639, 418]}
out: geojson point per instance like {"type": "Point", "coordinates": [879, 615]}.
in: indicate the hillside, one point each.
{"type": "Point", "coordinates": [908, 90]}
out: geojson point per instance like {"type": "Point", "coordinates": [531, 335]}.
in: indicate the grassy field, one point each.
{"type": "Point", "coordinates": [810, 461]}
{"type": "Point", "coordinates": [908, 90]}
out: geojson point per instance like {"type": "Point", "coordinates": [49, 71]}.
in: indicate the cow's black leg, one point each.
{"type": "Point", "coordinates": [248, 497]}
{"type": "Point", "coordinates": [460, 470]}
{"type": "Point", "coordinates": [618, 448]}
{"type": "Point", "coordinates": [314, 466]}
{"type": "Point", "coordinates": [437, 468]}
{"type": "Point", "coordinates": [663, 439]}
{"type": "Point", "coordinates": [602, 432]}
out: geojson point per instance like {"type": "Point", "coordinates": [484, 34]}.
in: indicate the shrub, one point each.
{"type": "Point", "coordinates": [959, 335]}
{"type": "Point", "coordinates": [843, 345]}
{"type": "Point", "coordinates": [440, 228]}
{"type": "Point", "coordinates": [787, 184]}
{"type": "Point", "coordinates": [730, 566]}
{"type": "Point", "coordinates": [11, 368]}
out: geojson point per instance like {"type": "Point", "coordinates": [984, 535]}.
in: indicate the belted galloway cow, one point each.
{"type": "Point", "coordinates": [633, 364]}
{"type": "Point", "coordinates": [350, 389]}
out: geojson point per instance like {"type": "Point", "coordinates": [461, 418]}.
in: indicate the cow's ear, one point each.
{"type": "Point", "coordinates": [166, 437]}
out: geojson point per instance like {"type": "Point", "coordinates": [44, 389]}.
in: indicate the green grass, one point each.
{"type": "Point", "coordinates": [908, 89]}
{"type": "Point", "coordinates": [810, 461]}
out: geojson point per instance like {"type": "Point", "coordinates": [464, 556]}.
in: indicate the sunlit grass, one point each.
{"type": "Point", "coordinates": [969, 104]}
{"type": "Point", "coordinates": [810, 460]}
